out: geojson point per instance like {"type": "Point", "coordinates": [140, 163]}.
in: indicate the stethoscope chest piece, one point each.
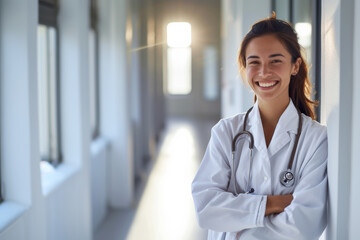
{"type": "Point", "coordinates": [287, 178]}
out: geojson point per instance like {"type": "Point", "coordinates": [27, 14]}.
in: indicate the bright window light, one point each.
{"type": "Point", "coordinates": [179, 71]}
{"type": "Point", "coordinates": [179, 34]}
{"type": "Point", "coordinates": [179, 58]}
{"type": "Point", "coordinates": [303, 30]}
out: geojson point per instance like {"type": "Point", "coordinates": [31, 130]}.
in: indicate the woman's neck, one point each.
{"type": "Point", "coordinates": [270, 113]}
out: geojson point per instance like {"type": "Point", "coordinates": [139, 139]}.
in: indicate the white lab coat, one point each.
{"type": "Point", "coordinates": [242, 217]}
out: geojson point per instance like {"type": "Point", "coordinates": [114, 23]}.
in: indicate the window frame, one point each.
{"type": "Point", "coordinates": [316, 69]}
{"type": "Point", "coordinates": [95, 132]}
{"type": "Point", "coordinates": [48, 12]}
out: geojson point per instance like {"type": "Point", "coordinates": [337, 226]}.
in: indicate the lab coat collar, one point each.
{"type": "Point", "coordinates": [288, 123]}
{"type": "Point", "coordinates": [289, 120]}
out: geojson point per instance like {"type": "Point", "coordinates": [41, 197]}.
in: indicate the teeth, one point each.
{"type": "Point", "coordinates": [266, 84]}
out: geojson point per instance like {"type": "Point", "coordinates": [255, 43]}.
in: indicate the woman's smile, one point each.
{"type": "Point", "coordinates": [266, 85]}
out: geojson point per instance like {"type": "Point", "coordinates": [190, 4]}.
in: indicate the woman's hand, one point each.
{"type": "Point", "coordinates": [277, 203]}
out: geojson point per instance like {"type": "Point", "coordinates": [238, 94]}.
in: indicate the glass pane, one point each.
{"type": "Point", "coordinates": [302, 21]}
{"type": "Point", "coordinates": [179, 70]}
{"type": "Point", "coordinates": [302, 12]}
{"type": "Point", "coordinates": [211, 86]}
{"type": "Point", "coordinates": [47, 93]}
{"type": "Point", "coordinates": [43, 86]}
{"type": "Point", "coordinates": [53, 94]}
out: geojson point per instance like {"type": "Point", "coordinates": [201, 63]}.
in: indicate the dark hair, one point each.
{"type": "Point", "coordinates": [300, 85]}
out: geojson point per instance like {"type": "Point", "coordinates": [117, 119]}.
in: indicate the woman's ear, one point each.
{"type": "Point", "coordinates": [296, 66]}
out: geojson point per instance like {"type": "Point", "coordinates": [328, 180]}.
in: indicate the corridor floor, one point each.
{"type": "Point", "coordinates": [165, 209]}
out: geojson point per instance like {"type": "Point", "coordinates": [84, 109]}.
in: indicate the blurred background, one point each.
{"type": "Point", "coordinates": [106, 109]}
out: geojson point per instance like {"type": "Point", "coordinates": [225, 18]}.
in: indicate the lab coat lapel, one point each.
{"type": "Point", "coordinates": [286, 126]}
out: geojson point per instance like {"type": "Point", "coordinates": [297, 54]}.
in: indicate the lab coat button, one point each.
{"type": "Point", "coordinates": [265, 178]}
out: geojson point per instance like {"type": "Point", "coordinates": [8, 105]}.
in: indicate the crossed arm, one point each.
{"type": "Point", "coordinates": [277, 203]}
{"type": "Point", "coordinates": [276, 216]}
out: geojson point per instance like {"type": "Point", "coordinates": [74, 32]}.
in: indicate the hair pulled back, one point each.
{"type": "Point", "coordinates": [300, 86]}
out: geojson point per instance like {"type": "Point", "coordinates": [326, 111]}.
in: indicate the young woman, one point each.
{"type": "Point", "coordinates": [263, 175]}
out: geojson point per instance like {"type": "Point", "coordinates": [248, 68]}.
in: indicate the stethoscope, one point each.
{"type": "Point", "coordinates": [286, 177]}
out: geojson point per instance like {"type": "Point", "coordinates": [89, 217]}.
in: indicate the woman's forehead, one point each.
{"type": "Point", "coordinates": [266, 46]}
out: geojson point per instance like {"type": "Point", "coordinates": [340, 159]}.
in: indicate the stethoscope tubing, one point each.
{"type": "Point", "coordinates": [285, 181]}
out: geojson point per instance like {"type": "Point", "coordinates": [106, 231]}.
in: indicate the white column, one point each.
{"type": "Point", "coordinates": [337, 87]}
{"type": "Point", "coordinates": [115, 101]}
{"type": "Point", "coordinates": [22, 214]}
{"type": "Point", "coordinates": [354, 231]}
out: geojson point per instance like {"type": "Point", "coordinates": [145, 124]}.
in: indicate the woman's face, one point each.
{"type": "Point", "coordinates": [269, 68]}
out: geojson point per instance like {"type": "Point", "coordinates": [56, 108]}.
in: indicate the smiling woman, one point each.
{"type": "Point", "coordinates": [260, 167]}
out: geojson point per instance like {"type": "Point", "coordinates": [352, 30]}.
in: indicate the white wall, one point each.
{"type": "Point", "coordinates": [341, 111]}
{"type": "Point", "coordinates": [330, 100]}
{"type": "Point", "coordinates": [67, 200]}
{"type": "Point", "coordinates": [22, 214]}
{"type": "Point", "coordinates": [237, 18]}
{"type": "Point", "coordinates": [115, 102]}
{"type": "Point", "coordinates": [354, 231]}
{"type": "Point", "coordinates": [59, 205]}
{"type": "Point", "coordinates": [43, 204]}
{"type": "Point", "coordinates": [99, 169]}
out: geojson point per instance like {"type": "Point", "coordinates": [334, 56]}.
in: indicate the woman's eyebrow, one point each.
{"type": "Point", "coordinates": [252, 56]}
{"type": "Point", "coordinates": [276, 55]}
{"type": "Point", "coordinates": [271, 56]}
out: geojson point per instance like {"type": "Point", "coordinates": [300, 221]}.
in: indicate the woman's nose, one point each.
{"type": "Point", "coordinates": [264, 71]}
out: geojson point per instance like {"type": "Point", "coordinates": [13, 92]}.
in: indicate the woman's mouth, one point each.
{"type": "Point", "coordinates": [267, 84]}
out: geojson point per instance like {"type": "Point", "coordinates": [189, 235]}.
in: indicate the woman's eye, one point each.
{"type": "Point", "coordinates": [276, 61]}
{"type": "Point", "coordinates": [253, 63]}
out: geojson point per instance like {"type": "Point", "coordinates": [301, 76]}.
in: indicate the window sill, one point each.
{"type": "Point", "coordinates": [52, 177]}
{"type": "Point", "coordinates": [9, 212]}
{"type": "Point", "coordinates": [98, 144]}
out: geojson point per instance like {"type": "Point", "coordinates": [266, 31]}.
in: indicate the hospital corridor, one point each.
{"type": "Point", "coordinates": [108, 108]}
{"type": "Point", "coordinates": [164, 207]}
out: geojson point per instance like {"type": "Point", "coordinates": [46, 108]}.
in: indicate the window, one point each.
{"type": "Point", "coordinates": [93, 74]}
{"type": "Point", "coordinates": [305, 15]}
{"type": "Point", "coordinates": [211, 86]}
{"type": "Point", "coordinates": [179, 58]}
{"type": "Point", "coordinates": [48, 84]}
